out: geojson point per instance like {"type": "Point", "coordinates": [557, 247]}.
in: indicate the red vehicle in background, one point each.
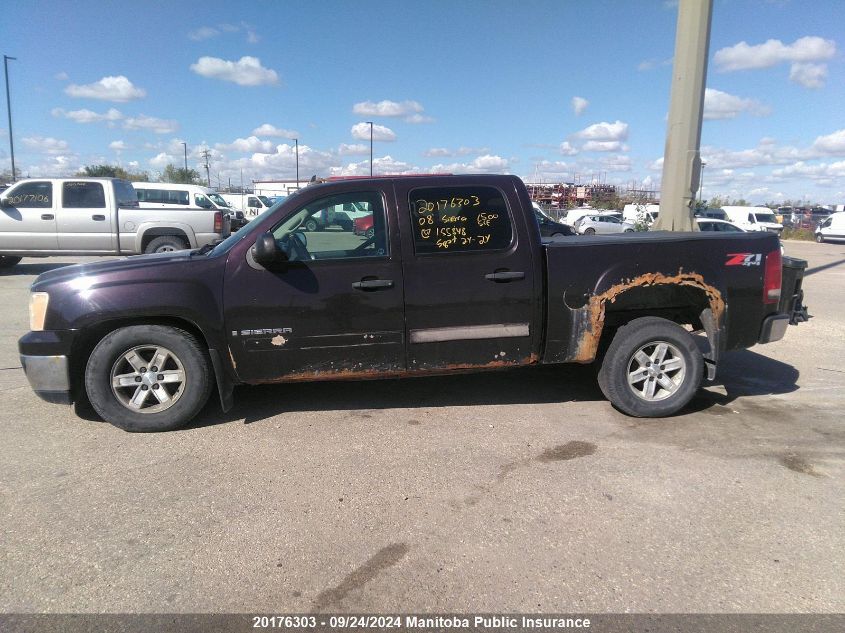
{"type": "Point", "coordinates": [364, 226]}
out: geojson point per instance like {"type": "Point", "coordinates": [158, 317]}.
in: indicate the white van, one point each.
{"type": "Point", "coordinates": [168, 195]}
{"type": "Point", "coordinates": [754, 218]}
{"type": "Point", "coordinates": [251, 204]}
{"type": "Point", "coordinates": [831, 229]}
{"type": "Point", "coordinates": [635, 213]}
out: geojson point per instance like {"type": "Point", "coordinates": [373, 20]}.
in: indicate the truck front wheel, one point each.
{"type": "Point", "coordinates": [7, 261]}
{"type": "Point", "coordinates": [652, 368]}
{"type": "Point", "coordinates": [166, 244]}
{"type": "Point", "coordinates": [148, 378]}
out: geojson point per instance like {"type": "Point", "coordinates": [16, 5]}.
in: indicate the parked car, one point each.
{"type": "Point", "coordinates": [602, 224]}
{"type": "Point", "coordinates": [548, 226]}
{"type": "Point", "coordinates": [833, 228]}
{"type": "Point", "coordinates": [642, 213]}
{"type": "Point", "coordinates": [363, 226]}
{"type": "Point", "coordinates": [81, 216]}
{"type": "Point", "coordinates": [455, 279]}
{"type": "Point", "coordinates": [721, 226]}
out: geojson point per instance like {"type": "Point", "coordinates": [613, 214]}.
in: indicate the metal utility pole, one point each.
{"type": "Point", "coordinates": [6, 59]}
{"type": "Point", "coordinates": [681, 158]}
{"type": "Point", "coordinates": [701, 184]}
{"type": "Point", "coordinates": [371, 148]}
{"type": "Point", "coordinates": [205, 154]}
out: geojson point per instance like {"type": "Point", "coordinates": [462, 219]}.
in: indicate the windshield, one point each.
{"type": "Point", "coordinates": [266, 201]}
{"type": "Point", "coordinates": [216, 199]}
{"type": "Point", "coordinates": [227, 244]}
{"type": "Point", "coordinates": [765, 217]}
{"type": "Point", "coordinates": [542, 213]}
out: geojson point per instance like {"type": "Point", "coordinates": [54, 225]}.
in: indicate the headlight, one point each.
{"type": "Point", "coordinates": [37, 310]}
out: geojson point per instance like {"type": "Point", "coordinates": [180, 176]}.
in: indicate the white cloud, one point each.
{"type": "Point", "coordinates": [118, 146]}
{"type": "Point", "coordinates": [833, 143]}
{"type": "Point", "coordinates": [203, 33]}
{"type": "Point", "coordinates": [649, 64]}
{"type": "Point", "coordinates": [118, 89]}
{"type": "Point", "coordinates": [721, 105]}
{"type": "Point", "coordinates": [162, 160]}
{"type": "Point", "coordinates": [271, 130]}
{"type": "Point", "coordinates": [743, 56]}
{"type": "Point", "coordinates": [88, 116]}
{"type": "Point", "coordinates": [387, 108]}
{"type": "Point", "coordinates": [579, 104]}
{"type": "Point", "coordinates": [361, 131]}
{"type": "Point", "coordinates": [62, 76]}
{"type": "Point", "coordinates": [619, 162]}
{"type": "Point", "coordinates": [461, 151]}
{"type": "Point", "coordinates": [251, 144]}
{"type": "Point", "coordinates": [808, 75]}
{"type": "Point", "coordinates": [46, 145]}
{"type": "Point", "coordinates": [252, 37]}
{"type": "Point", "coordinates": [353, 150]}
{"type": "Point", "coordinates": [482, 165]}
{"type": "Point", "coordinates": [418, 118]}
{"type": "Point", "coordinates": [604, 146]}
{"type": "Point", "coordinates": [567, 149]}
{"type": "Point", "coordinates": [604, 131]}
{"type": "Point", "coordinates": [247, 71]}
{"type": "Point", "coordinates": [144, 122]}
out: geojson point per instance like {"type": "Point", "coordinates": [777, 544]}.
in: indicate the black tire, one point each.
{"type": "Point", "coordinates": [589, 231]}
{"type": "Point", "coordinates": [819, 238]}
{"type": "Point", "coordinates": [371, 233]}
{"type": "Point", "coordinates": [7, 261]}
{"type": "Point", "coordinates": [629, 230]}
{"type": "Point", "coordinates": [311, 225]}
{"type": "Point", "coordinates": [109, 358]}
{"type": "Point", "coordinates": [643, 335]}
{"type": "Point", "coordinates": [166, 244]}
{"type": "Point", "coordinates": [557, 235]}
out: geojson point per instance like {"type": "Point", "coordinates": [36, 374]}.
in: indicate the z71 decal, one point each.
{"type": "Point", "coordinates": [744, 259]}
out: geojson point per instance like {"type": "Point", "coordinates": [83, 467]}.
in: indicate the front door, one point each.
{"type": "Point", "coordinates": [28, 217]}
{"type": "Point", "coordinates": [470, 296]}
{"type": "Point", "coordinates": [84, 223]}
{"type": "Point", "coordinates": [334, 310]}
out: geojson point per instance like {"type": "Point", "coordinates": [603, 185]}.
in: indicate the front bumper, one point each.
{"type": "Point", "coordinates": [45, 357]}
{"type": "Point", "coordinates": [49, 377]}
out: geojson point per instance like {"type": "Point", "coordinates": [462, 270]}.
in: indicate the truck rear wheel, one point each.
{"type": "Point", "coordinates": [311, 225]}
{"type": "Point", "coordinates": [7, 261]}
{"type": "Point", "coordinates": [652, 368]}
{"type": "Point", "coordinates": [148, 378]}
{"type": "Point", "coordinates": [166, 244]}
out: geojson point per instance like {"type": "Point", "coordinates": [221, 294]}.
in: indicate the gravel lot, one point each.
{"type": "Point", "coordinates": [521, 491]}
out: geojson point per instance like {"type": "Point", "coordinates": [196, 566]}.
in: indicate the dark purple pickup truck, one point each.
{"type": "Point", "coordinates": [455, 277]}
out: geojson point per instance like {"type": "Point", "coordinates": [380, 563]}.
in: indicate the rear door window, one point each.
{"type": "Point", "coordinates": [459, 219]}
{"type": "Point", "coordinates": [83, 195]}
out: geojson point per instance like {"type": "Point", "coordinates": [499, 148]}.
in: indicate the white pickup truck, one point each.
{"type": "Point", "coordinates": [40, 217]}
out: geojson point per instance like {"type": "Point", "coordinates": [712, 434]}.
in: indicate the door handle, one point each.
{"type": "Point", "coordinates": [372, 284]}
{"type": "Point", "coordinates": [504, 276]}
{"type": "Point", "coordinates": [98, 217]}
{"type": "Point", "coordinates": [47, 216]}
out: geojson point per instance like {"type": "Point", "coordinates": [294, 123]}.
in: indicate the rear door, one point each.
{"type": "Point", "coordinates": [470, 282]}
{"type": "Point", "coordinates": [83, 220]}
{"type": "Point", "coordinates": [28, 217]}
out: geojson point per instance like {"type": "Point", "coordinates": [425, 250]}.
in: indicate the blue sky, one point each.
{"type": "Point", "coordinates": [548, 90]}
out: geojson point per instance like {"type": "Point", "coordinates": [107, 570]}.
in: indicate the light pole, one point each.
{"type": "Point", "coordinates": [371, 148]}
{"type": "Point", "coordinates": [6, 59]}
{"type": "Point", "coordinates": [296, 145]}
{"type": "Point", "coordinates": [185, 147]}
{"type": "Point", "coordinates": [701, 184]}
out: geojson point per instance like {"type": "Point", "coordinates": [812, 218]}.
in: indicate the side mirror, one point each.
{"type": "Point", "coordinates": [266, 251]}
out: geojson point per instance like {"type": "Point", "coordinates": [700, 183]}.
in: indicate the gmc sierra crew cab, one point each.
{"type": "Point", "coordinates": [40, 217]}
{"type": "Point", "coordinates": [454, 277]}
